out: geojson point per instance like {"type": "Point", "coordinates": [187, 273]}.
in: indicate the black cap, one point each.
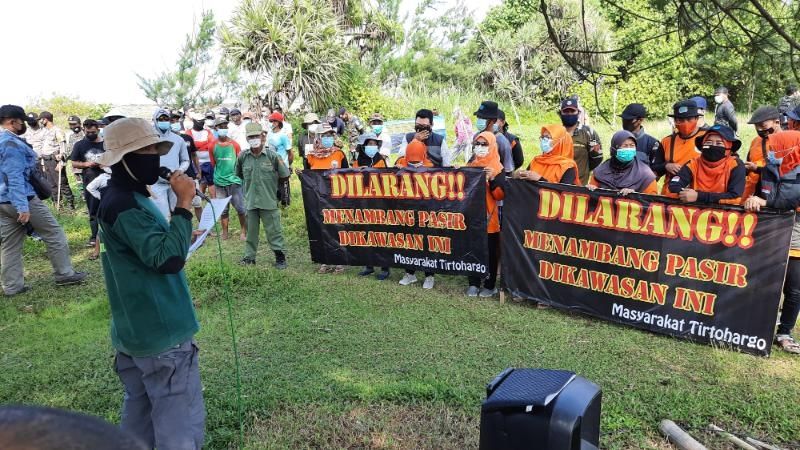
{"type": "Point", "coordinates": [569, 103]}
{"type": "Point", "coordinates": [236, 111]}
{"type": "Point", "coordinates": [764, 113]}
{"type": "Point", "coordinates": [176, 114]}
{"type": "Point", "coordinates": [224, 111]}
{"type": "Point", "coordinates": [103, 121]}
{"type": "Point", "coordinates": [487, 110]}
{"type": "Point", "coordinates": [634, 111]}
{"type": "Point", "coordinates": [501, 115]}
{"type": "Point", "coordinates": [684, 109]}
{"type": "Point", "coordinates": [726, 133]}
{"type": "Point", "coordinates": [90, 123]}
{"type": "Point", "coordinates": [210, 114]}
{"type": "Point", "coordinates": [721, 90]}
{"type": "Point", "coordinates": [74, 119]}
{"type": "Point", "coordinates": [12, 112]}
{"type": "Point", "coordinates": [794, 114]}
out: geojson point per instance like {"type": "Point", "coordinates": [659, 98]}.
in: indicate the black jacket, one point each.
{"type": "Point", "coordinates": [725, 115]}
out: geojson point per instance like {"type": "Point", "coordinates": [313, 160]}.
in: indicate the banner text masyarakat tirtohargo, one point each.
{"type": "Point", "coordinates": [708, 273]}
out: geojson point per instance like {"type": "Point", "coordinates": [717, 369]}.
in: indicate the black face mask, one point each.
{"type": "Point", "coordinates": [765, 132]}
{"type": "Point", "coordinates": [91, 136]}
{"type": "Point", "coordinates": [629, 124]}
{"type": "Point", "coordinates": [76, 130]}
{"type": "Point", "coordinates": [197, 125]}
{"type": "Point", "coordinates": [569, 120]}
{"type": "Point", "coordinates": [144, 168]}
{"type": "Point", "coordinates": [23, 129]}
{"type": "Point", "coordinates": [713, 153]}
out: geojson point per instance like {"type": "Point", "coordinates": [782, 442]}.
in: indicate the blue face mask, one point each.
{"type": "Point", "coordinates": [481, 124]}
{"type": "Point", "coordinates": [495, 128]}
{"type": "Point", "coordinates": [176, 127]}
{"type": "Point", "coordinates": [377, 129]}
{"type": "Point", "coordinates": [371, 150]}
{"type": "Point", "coordinates": [626, 155]}
{"type": "Point", "coordinates": [214, 132]}
{"type": "Point", "coordinates": [222, 132]}
{"type": "Point", "coordinates": [772, 159]}
{"type": "Point", "coordinates": [546, 144]}
{"type": "Point", "coordinates": [569, 120]}
{"type": "Point", "coordinates": [327, 141]}
{"type": "Point", "coordinates": [163, 125]}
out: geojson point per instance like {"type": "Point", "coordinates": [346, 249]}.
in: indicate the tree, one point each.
{"type": "Point", "coordinates": [192, 83]}
{"type": "Point", "coordinates": [63, 106]}
{"type": "Point", "coordinates": [291, 49]}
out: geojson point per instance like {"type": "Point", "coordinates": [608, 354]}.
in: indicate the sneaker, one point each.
{"type": "Point", "coordinates": [324, 269]}
{"type": "Point", "coordinates": [367, 271]}
{"type": "Point", "coordinates": [75, 278]}
{"type": "Point", "coordinates": [487, 292]}
{"type": "Point", "coordinates": [24, 289]}
{"type": "Point", "coordinates": [429, 282]}
{"type": "Point", "coordinates": [382, 275]}
{"type": "Point", "coordinates": [473, 291]}
{"type": "Point", "coordinates": [247, 261]}
{"type": "Point", "coordinates": [407, 279]}
{"type": "Point", "coordinates": [280, 260]}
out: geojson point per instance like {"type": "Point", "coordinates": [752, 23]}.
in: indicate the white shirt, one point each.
{"type": "Point", "coordinates": [236, 132]}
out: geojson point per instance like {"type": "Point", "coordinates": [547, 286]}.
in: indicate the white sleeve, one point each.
{"type": "Point", "coordinates": [97, 184]}
{"type": "Point", "coordinates": [447, 157]}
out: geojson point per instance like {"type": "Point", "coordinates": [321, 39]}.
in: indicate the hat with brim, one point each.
{"type": "Point", "coordinates": [310, 118]}
{"type": "Point", "coordinates": [12, 112]}
{"type": "Point", "coordinates": [685, 109]}
{"type": "Point", "coordinates": [634, 111]}
{"type": "Point", "coordinates": [487, 110]}
{"type": "Point", "coordinates": [128, 135]}
{"type": "Point", "coordinates": [369, 137]}
{"type": "Point", "coordinates": [763, 113]}
{"type": "Point", "coordinates": [725, 132]}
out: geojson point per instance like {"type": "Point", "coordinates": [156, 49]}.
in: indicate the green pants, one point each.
{"type": "Point", "coordinates": [271, 218]}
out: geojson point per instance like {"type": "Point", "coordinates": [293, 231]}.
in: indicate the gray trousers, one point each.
{"type": "Point", "coordinates": [163, 402]}
{"type": "Point", "coordinates": [12, 235]}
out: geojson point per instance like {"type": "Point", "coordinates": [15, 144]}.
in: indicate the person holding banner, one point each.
{"type": "Point", "coordinates": [717, 175]}
{"type": "Point", "coordinates": [778, 189]}
{"type": "Point", "coordinates": [325, 156]}
{"type": "Point", "coordinates": [767, 122]}
{"type": "Point", "coordinates": [416, 156]}
{"type": "Point", "coordinates": [555, 164]}
{"type": "Point", "coordinates": [624, 172]}
{"type": "Point", "coordinates": [368, 155]}
{"type": "Point", "coordinates": [485, 155]}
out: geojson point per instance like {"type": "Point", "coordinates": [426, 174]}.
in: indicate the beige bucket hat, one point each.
{"type": "Point", "coordinates": [128, 135]}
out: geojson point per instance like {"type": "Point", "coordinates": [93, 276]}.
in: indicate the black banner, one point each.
{"type": "Point", "coordinates": [432, 220]}
{"type": "Point", "coordinates": [709, 274]}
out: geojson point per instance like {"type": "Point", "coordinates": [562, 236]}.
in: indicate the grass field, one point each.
{"type": "Point", "coordinates": [337, 361]}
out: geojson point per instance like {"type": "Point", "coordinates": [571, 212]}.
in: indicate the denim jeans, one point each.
{"type": "Point", "coordinates": [791, 297]}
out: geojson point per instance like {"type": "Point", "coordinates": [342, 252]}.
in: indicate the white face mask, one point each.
{"type": "Point", "coordinates": [254, 143]}
{"type": "Point", "coordinates": [480, 150]}
{"type": "Point", "coordinates": [719, 99]}
{"type": "Point", "coordinates": [209, 123]}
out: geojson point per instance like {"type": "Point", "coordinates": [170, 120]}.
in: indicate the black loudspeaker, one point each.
{"type": "Point", "coordinates": [529, 409]}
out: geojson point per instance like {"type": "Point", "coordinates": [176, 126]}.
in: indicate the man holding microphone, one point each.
{"type": "Point", "coordinates": [153, 320]}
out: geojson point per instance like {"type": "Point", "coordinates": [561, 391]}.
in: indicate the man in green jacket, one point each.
{"type": "Point", "coordinates": [261, 170]}
{"type": "Point", "coordinates": [152, 316]}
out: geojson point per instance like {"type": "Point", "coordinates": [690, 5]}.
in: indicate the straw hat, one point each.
{"type": "Point", "coordinates": [128, 135]}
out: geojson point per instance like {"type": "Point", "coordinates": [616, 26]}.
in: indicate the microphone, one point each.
{"type": "Point", "coordinates": [165, 173]}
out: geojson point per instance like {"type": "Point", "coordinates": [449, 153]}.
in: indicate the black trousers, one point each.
{"type": "Point", "coordinates": [791, 297]}
{"type": "Point", "coordinates": [50, 171]}
{"type": "Point", "coordinates": [489, 281]}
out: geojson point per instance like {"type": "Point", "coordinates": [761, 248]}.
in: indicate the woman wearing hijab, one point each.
{"type": "Point", "coordinates": [556, 163]}
{"type": "Point", "coordinates": [624, 172]}
{"type": "Point", "coordinates": [717, 175]}
{"type": "Point", "coordinates": [416, 156]}
{"type": "Point", "coordinates": [485, 155]}
{"type": "Point", "coordinates": [368, 155]}
{"type": "Point", "coordinates": [779, 189]}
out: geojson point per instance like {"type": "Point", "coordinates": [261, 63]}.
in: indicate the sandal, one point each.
{"type": "Point", "coordinates": [323, 269]}
{"type": "Point", "coordinates": [338, 270]}
{"type": "Point", "coordinates": [788, 344]}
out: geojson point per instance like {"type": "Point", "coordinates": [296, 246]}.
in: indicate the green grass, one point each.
{"type": "Point", "coordinates": [342, 362]}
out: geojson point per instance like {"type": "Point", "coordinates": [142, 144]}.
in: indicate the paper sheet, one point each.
{"type": "Point", "coordinates": [207, 220]}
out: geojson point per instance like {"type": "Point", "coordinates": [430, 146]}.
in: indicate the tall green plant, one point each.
{"type": "Point", "coordinates": [292, 48]}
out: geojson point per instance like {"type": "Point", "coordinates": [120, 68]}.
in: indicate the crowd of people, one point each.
{"type": "Point", "coordinates": [144, 182]}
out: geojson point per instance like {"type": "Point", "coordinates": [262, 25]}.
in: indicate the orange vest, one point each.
{"type": "Point", "coordinates": [493, 209]}
{"type": "Point", "coordinates": [679, 151]}
{"type": "Point", "coordinates": [316, 163]}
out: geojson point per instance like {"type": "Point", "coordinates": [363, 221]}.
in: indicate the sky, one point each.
{"type": "Point", "coordinates": [93, 49]}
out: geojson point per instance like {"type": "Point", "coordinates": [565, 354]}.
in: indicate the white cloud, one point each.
{"type": "Point", "coordinates": [93, 49]}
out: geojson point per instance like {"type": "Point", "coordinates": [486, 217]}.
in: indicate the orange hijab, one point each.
{"type": "Point", "coordinates": [786, 145]}
{"type": "Point", "coordinates": [492, 159]}
{"type": "Point", "coordinates": [713, 176]}
{"type": "Point", "coordinates": [551, 166]}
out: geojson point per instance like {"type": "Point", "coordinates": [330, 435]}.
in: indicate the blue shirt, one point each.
{"type": "Point", "coordinates": [17, 160]}
{"type": "Point", "coordinates": [280, 143]}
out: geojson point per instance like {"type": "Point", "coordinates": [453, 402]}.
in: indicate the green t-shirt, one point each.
{"type": "Point", "coordinates": [224, 156]}
{"type": "Point", "coordinates": [260, 176]}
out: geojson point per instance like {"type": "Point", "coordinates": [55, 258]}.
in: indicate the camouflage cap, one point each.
{"type": "Point", "coordinates": [253, 129]}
